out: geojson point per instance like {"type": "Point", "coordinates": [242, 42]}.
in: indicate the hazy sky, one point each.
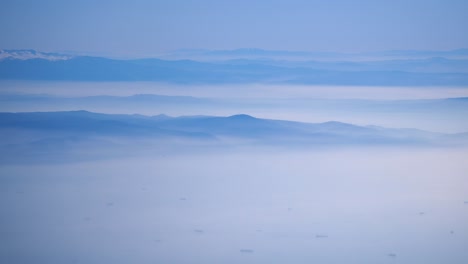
{"type": "Point", "coordinates": [144, 27]}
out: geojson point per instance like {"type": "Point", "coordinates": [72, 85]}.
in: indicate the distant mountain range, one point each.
{"type": "Point", "coordinates": [80, 123]}
{"type": "Point", "coordinates": [139, 102]}
{"type": "Point", "coordinates": [253, 53]}
{"type": "Point", "coordinates": [258, 54]}
{"type": "Point", "coordinates": [33, 65]}
{"type": "Point", "coordinates": [73, 135]}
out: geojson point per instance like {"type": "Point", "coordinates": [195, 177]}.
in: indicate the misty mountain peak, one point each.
{"type": "Point", "coordinates": [242, 117]}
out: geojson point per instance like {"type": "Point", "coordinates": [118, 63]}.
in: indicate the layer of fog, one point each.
{"type": "Point", "coordinates": [395, 107]}
{"type": "Point", "coordinates": [244, 205]}
{"type": "Point", "coordinates": [75, 89]}
{"type": "Point", "coordinates": [239, 204]}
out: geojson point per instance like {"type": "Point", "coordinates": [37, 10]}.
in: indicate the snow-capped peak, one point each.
{"type": "Point", "coordinates": [32, 54]}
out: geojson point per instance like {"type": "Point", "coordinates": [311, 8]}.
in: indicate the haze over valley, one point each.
{"type": "Point", "coordinates": [262, 132]}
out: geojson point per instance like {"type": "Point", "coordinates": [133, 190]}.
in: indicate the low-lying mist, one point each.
{"type": "Point", "coordinates": [139, 187]}
{"type": "Point", "coordinates": [240, 205]}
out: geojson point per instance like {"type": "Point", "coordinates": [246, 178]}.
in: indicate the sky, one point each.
{"type": "Point", "coordinates": [148, 28]}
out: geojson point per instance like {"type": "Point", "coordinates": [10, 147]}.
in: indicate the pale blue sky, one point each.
{"type": "Point", "coordinates": [146, 28]}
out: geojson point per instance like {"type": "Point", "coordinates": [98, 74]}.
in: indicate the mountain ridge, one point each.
{"type": "Point", "coordinates": [240, 126]}
{"type": "Point", "coordinates": [421, 72]}
{"type": "Point", "coordinates": [81, 135]}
